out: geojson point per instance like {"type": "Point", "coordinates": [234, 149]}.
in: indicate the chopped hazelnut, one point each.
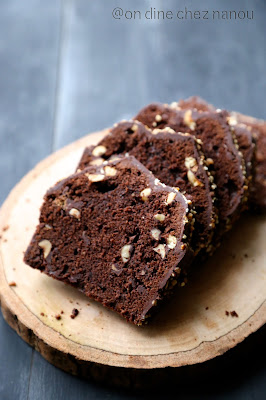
{"type": "Point", "coordinates": [110, 171]}
{"type": "Point", "coordinates": [46, 246]}
{"type": "Point", "coordinates": [171, 241]}
{"type": "Point", "coordinates": [114, 268]}
{"type": "Point", "coordinates": [99, 151]}
{"type": "Point", "coordinates": [145, 193]}
{"type": "Point", "coordinates": [232, 121]}
{"type": "Point", "coordinates": [47, 226]}
{"type": "Point", "coordinates": [126, 252]}
{"type": "Point", "coordinates": [74, 213]}
{"type": "Point", "coordinates": [160, 249]}
{"type": "Point", "coordinates": [170, 198]}
{"type": "Point", "coordinates": [190, 162]}
{"type": "Point", "coordinates": [192, 179]}
{"type": "Point", "coordinates": [158, 118]}
{"type": "Point", "coordinates": [189, 121]}
{"type": "Point", "coordinates": [95, 177]}
{"type": "Point", "coordinates": [97, 161]}
{"type": "Point", "coordinates": [156, 233]}
{"type": "Point", "coordinates": [159, 217]}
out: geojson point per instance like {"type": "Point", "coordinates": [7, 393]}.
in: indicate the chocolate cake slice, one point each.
{"type": "Point", "coordinates": [174, 158]}
{"type": "Point", "coordinates": [258, 187]}
{"type": "Point", "coordinates": [244, 140]}
{"type": "Point", "coordinates": [116, 234]}
{"type": "Point", "coordinates": [224, 160]}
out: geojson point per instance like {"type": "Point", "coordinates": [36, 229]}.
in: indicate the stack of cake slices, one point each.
{"type": "Point", "coordinates": [155, 195]}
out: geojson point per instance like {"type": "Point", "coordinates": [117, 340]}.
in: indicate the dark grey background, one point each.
{"type": "Point", "coordinates": [68, 68]}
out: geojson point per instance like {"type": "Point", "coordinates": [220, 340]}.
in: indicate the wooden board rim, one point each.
{"type": "Point", "coordinates": [32, 330]}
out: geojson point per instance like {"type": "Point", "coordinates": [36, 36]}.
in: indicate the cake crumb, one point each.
{"type": "Point", "coordinates": [12, 283]}
{"type": "Point", "coordinates": [74, 313]}
{"type": "Point", "coordinates": [62, 312]}
{"type": "Point", "coordinates": [42, 314]}
{"type": "Point", "coordinates": [234, 314]}
{"type": "Point", "coordinates": [58, 317]}
{"type": "Point", "coordinates": [246, 255]}
{"type": "Point", "coordinates": [206, 308]}
{"type": "Point", "coordinates": [5, 228]}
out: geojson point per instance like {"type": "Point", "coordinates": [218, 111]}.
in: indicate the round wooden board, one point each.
{"type": "Point", "coordinates": [193, 327]}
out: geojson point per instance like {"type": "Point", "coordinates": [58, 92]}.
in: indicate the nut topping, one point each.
{"type": "Point", "coordinates": [170, 198]}
{"type": "Point", "coordinates": [99, 151]}
{"type": "Point", "coordinates": [171, 241]}
{"type": "Point", "coordinates": [158, 118]}
{"type": "Point", "coordinates": [209, 161]}
{"type": "Point", "coordinates": [97, 161]}
{"type": "Point", "coordinates": [110, 171]}
{"type": "Point", "coordinates": [144, 194]}
{"type": "Point", "coordinates": [126, 252]}
{"type": "Point", "coordinates": [192, 179]}
{"type": "Point", "coordinates": [159, 217]}
{"type": "Point", "coordinates": [189, 121]}
{"type": "Point", "coordinates": [190, 162]}
{"type": "Point", "coordinates": [46, 246]}
{"type": "Point", "coordinates": [134, 127]}
{"type": "Point", "coordinates": [156, 233]}
{"type": "Point", "coordinates": [95, 177]}
{"type": "Point", "coordinates": [74, 213]}
{"type": "Point", "coordinates": [47, 226]}
{"type": "Point", "coordinates": [160, 249]}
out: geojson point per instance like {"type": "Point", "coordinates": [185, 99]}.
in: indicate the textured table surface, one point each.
{"type": "Point", "coordinates": [69, 68]}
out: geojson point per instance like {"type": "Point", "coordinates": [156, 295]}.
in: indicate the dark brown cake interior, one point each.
{"type": "Point", "coordinates": [243, 135]}
{"type": "Point", "coordinates": [116, 234]}
{"type": "Point", "coordinates": [258, 187]}
{"type": "Point", "coordinates": [172, 157]}
{"type": "Point", "coordinates": [218, 147]}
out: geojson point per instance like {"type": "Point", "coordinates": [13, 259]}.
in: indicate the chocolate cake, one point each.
{"type": "Point", "coordinates": [194, 102]}
{"type": "Point", "coordinates": [174, 158]}
{"type": "Point", "coordinates": [218, 146]}
{"type": "Point", "coordinates": [244, 139]}
{"type": "Point", "coordinates": [258, 130]}
{"type": "Point", "coordinates": [115, 233]}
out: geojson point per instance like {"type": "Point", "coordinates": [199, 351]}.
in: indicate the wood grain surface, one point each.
{"type": "Point", "coordinates": [193, 328]}
{"type": "Point", "coordinates": [67, 68]}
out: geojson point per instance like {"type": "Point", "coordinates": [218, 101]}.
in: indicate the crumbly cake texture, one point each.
{"type": "Point", "coordinates": [225, 161]}
{"type": "Point", "coordinates": [115, 233]}
{"type": "Point", "coordinates": [195, 102]}
{"type": "Point", "coordinates": [258, 188]}
{"type": "Point", "coordinates": [244, 140]}
{"type": "Point", "coordinates": [174, 158]}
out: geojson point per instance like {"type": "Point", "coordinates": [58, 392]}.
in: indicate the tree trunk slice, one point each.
{"type": "Point", "coordinates": [192, 328]}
